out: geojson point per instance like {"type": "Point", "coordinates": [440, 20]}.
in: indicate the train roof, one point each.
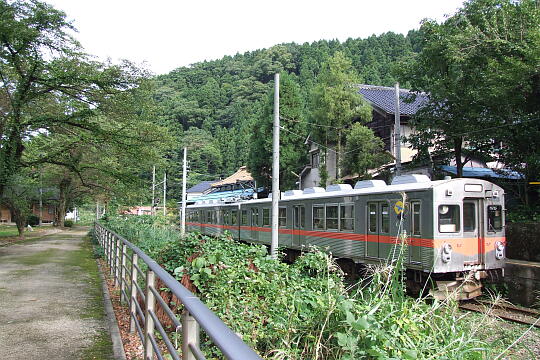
{"type": "Point", "coordinates": [404, 183]}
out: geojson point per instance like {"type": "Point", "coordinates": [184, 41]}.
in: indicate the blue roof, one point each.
{"type": "Point", "coordinates": [201, 187]}
{"type": "Point", "coordinates": [484, 172]}
{"type": "Point", "coordinates": [224, 195]}
{"type": "Point", "coordinates": [384, 98]}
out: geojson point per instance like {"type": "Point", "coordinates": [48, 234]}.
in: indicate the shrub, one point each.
{"type": "Point", "coordinates": [32, 220]}
{"type": "Point", "coordinates": [68, 223]}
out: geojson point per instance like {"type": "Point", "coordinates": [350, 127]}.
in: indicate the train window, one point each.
{"type": "Point", "coordinates": [266, 217]}
{"type": "Point", "coordinates": [299, 217]}
{"type": "Point", "coordinates": [225, 217]}
{"type": "Point", "coordinates": [494, 217]}
{"type": "Point", "coordinates": [234, 217]}
{"type": "Point", "coordinates": [318, 217]}
{"type": "Point", "coordinates": [282, 221]}
{"type": "Point", "coordinates": [244, 218]}
{"type": "Point", "coordinates": [346, 217]}
{"type": "Point", "coordinates": [332, 217]}
{"type": "Point", "coordinates": [254, 217]}
{"type": "Point", "coordinates": [209, 216]}
{"type": "Point", "coordinates": [372, 218]}
{"type": "Point", "coordinates": [385, 219]}
{"type": "Point", "coordinates": [469, 217]}
{"type": "Point", "coordinates": [448, 218]}
{"type": "Point", "coordinates": [416, 229]}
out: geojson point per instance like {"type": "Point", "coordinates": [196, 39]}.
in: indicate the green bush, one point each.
{"type": "Point", "coordinates": [68, 223]}
{"type": "Point", "coordinates": [305, 310]}
{"type": "Point", "coordinates": [32, 220]}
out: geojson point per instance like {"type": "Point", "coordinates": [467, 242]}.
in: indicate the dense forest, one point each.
{"type": "Point", "coordinates": [213, 105]}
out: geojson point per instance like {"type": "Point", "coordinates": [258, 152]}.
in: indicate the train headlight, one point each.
{"type": "Point", "coordinates": [499, 250]}
{"type": "Point", "coordinates": [446, 252]}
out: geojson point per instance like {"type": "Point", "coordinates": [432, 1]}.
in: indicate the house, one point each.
{"type": "Point", "coordinates": [383, 102]}
{"type": "Point", "coordinates": [239, 185]}
{"type": "Point", "coordinates": [47, 213]}
{"type": "Point", "coordinates": [201, 188]}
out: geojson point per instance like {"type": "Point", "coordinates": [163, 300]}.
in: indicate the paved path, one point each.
{"type": "Point", "coordinates": [51, 303]}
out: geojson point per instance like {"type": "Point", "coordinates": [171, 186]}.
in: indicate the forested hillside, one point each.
{"type": "Point", "coordinates": [213, 105]}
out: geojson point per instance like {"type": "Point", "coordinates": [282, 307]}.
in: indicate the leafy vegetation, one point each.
{"type": "Point", "coordinates": [305, 310]}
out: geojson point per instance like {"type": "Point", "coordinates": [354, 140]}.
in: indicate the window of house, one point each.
{"type": "Point", "coordinates": [449, 218]}
{"type": "Point", "coordinates": [266, 217]}
{"type": "Point", "coordinates": [282, 221]}
{"type": "Point", "coordinates": [346, 217]}
{"type": "Point", "coordinates": [315, 160]}
{"type": "Point", "coordinates": [318, 217]}
{"type": "Point", "coordinates": [332, 217]}
{"type": "Point", "coordinates": [51, 210]}
{"type": "Point", "coordinates": [416, 229]}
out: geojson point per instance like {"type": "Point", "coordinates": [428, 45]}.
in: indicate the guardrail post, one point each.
{"type": "Point", "coordinates": [149, 321]}
{"type": "Point", "coordinates": [111, 262]}
{"type": "Point", "coordinates": [133, 288]}
{"type": "Point", "coordinates": [117, 263]}
{"type": "Point", "coordinates": [123, 297]}
{"type": "Point", "coordinates": [109, 247]}
{"type": "Point", "coordinates": [190, 335]}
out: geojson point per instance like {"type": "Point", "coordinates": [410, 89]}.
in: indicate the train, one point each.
{"type": "Point", "coordinates": [450, 233]}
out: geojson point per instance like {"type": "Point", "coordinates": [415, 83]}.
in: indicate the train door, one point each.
{"type": "Point", "coordinates": [378, 230]}
{"type": "Point", "coordinates": [415, 250]}
{"type": "Point", "coordinates": [372, 237]}
{"type": "Point", "coordinates": [299, 223]}
{"type": "Point", "coordinates": [472, 230]}
{"type": "Point", "coordinates": [255, 224]}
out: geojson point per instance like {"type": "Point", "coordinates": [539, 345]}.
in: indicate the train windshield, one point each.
{"type": "Point", "coordinates": [494, 217]}
{"type": "Point", "coordinates": [449, 218]}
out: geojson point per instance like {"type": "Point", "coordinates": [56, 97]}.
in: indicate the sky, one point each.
{"type": "Point", "coordinates": [165, 34]}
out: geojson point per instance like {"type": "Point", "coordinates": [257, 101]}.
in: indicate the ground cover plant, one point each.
{"type": "Point", "coordinates": [305, 310]}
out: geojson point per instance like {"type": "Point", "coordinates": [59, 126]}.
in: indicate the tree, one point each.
{"type": "Point", "coordinates": [480, 68]}
{"type": "Point", "coordinates": [363, 151]}
{"type": "Point", "coordinates": [292, 149]}
{"type": "Point", "coordinates": [19, 192]}
{"type": "Point", "coordinates": [48, 85]}
{"type": "Point", "coordinates": [336, 104]}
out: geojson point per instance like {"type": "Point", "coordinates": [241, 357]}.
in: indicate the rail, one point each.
{"type": "Point", "coordinates": [124, 259]}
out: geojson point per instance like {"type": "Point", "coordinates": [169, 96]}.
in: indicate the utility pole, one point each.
{"type": "Point", "coordinates": [184, 180]}
{"type": "Point", "coordinates": [275, 172]}
{"type": "Point", "coordinates": [40, 197]}
{"type": "Point", "coordinates": [153, 189]}
{"type": "Point", "coordinates": [164, 193]}
{"type": "Point", "coordinates": [397, 133]}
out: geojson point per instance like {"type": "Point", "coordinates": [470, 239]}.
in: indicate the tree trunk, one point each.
{"type": "Point", "coordinates": [338, 169]}
{"type": "Point", "coordinates": [63, 188]}
{"type": "Point", "coordinates": [18, 216]}
{"type": "Point", "coordinates": [458, 143]}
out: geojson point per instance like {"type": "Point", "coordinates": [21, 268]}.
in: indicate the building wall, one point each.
{"type": "Point", "coordinates": [5, 215]}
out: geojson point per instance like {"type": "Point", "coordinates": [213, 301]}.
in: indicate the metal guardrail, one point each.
{"type": "Point", "coordinates": [118, 253]}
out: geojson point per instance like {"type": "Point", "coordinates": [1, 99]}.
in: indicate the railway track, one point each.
{"type": "Point", "coordinates": [504, 311]}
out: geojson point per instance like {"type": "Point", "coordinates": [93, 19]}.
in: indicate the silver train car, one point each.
{"type": "Point", "coordinates": [451, 231]}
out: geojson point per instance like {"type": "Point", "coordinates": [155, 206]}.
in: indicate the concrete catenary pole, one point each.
{"type": "Point", "coordinates": [164, 193]}
{"type": "Point", "coordinates": [275, 172]}
{"type": "Point", "coordinates": [397, 133]}
{"type": "Point", "coordinates": [184, 177]}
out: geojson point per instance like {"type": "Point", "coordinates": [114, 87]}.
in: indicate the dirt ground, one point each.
{"type": "Point", "coordinates": [51, 300]}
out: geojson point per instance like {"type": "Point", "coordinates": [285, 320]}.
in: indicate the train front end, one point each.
{"type": "Point", "coordinates": [469, 240]}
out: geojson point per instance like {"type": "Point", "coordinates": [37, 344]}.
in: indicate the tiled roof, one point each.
{"type": "Point", "coordinates": [201, 187]}
{"type": "Point", "coordinates": [241, 175]}
{"type": "Point", "coordinates": [384, 98]}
